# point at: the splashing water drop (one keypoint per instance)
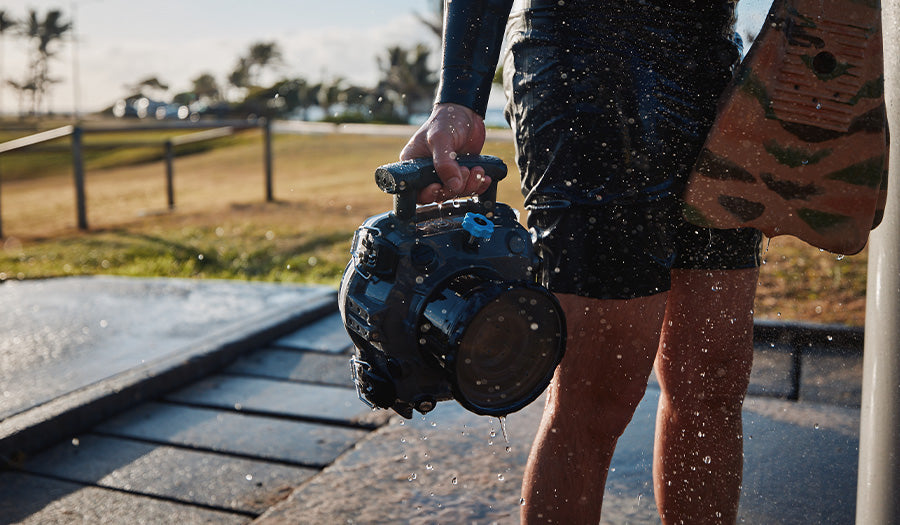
(502, 420)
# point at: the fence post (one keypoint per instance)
(267, 161)
(170, 173)
(1, 212)
(78, 172)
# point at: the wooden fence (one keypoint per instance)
(210, 130)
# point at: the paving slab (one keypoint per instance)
(339, 405)
(452, 466)
(189, 476)
(286, 441)
(326, 335)
(292, 365)
(33, 500)
(449, 466)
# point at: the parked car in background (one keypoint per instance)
(143, 107)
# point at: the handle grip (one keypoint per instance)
(406, 178)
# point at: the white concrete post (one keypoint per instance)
(878, 492)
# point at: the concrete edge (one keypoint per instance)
(76, 412)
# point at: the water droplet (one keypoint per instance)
(707, 460)
(816, 426)
(502, 420)
(429, 466)
(412, 477)
(75, 442)
(453, 481)
(534, 327)
(249, 477)
(500, 477)
(521, 501)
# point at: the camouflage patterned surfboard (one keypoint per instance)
(799, 146)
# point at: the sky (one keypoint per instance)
(121, 42)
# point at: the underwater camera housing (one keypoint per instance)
(441, 301)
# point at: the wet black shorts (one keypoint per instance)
(611, 103)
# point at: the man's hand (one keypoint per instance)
(451, 130)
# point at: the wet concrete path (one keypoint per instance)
(271, 431)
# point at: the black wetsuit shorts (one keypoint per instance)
(610, 103)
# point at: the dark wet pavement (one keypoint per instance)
(272, 431)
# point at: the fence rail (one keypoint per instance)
(210, 130)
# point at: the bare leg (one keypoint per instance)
(602, 378)
(704, 362)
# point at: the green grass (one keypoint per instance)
(254, 253)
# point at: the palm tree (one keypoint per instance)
(150, 87)
(6, 23)
(263, 55)
(407, 78)
(43, 34)
(240, 76)
(434, 21)
(206, 88)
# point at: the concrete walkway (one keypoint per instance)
(251, 417)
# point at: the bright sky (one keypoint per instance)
(121, 42)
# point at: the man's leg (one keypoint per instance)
(703, 366)
(603, 375)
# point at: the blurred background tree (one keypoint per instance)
(43, 33)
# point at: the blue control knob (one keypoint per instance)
(478, 226)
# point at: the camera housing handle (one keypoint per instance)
(406, 178)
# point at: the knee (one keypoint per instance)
(603, 408)
(718, 395)
(705, 383)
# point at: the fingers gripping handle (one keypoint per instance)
(406, 178)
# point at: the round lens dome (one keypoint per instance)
(508, 352)
(499, 342)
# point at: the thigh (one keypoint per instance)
(610, 350)
(707, 339)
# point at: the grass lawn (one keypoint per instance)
(222, 228)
